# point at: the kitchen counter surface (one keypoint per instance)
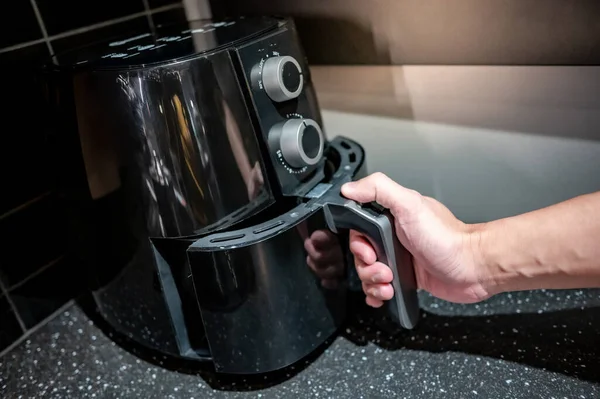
(543, 344)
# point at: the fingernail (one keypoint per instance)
(348, 186)
(373, 292)
(377, 278)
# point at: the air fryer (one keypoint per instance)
(196, 168)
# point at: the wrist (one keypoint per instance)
(489, 275)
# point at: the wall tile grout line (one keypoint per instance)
(149, 16)
(112, 22)
(99, 25)
(13, 289)
(3, 290)
(168, 7)
(40, 21)
(39, 325)
(24, 205)
(22, 45)
(13, 307)
(36, 273)
(92, 27)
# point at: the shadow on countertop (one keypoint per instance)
(563, 341)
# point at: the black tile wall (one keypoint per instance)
(37, 272)
(36, 298)
(169, 17)
(18, 23)
(10, 330)
(71, 42)
(25, 56)
(158, 3)
(86, 12)
(36, 237)
(23, 157)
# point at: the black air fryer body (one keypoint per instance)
(198, 174)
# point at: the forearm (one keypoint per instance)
(557, 247)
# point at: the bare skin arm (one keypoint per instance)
(554, 247)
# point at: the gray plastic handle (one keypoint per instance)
(379, 228)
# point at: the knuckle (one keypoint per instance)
(379, 175)
(365, 287)
(379, 179)
(361, 273)
(416, 200)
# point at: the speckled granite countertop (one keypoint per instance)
(522, 345)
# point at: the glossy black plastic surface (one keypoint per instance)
(292, 181)
(179, 140)
(258, 264)
(263, 306)
(165, 151)
(168, 44)
(165, 155)
(271, 293)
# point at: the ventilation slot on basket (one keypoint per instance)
(268, 227)
(345, 145)
(352, 157)
(227, 238)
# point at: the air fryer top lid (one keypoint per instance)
(167, 44)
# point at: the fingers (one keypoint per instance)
(323, 255)
(375, 303)
(377, 273)
(383, 190)
(380, 292)
(361, 248)
(376, 279)
(375, 276)
(326, 271)
(330, 284)
(369, 270)
(323, 239)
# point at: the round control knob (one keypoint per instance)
(282, 78)
(301, 142)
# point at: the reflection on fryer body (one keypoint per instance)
(325, 257)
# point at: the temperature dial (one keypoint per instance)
(282, 78)
(300, 141)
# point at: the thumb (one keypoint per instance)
(379, 188)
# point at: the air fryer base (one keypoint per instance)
(178, 332)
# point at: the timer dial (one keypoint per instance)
(300, 141)
(282, 78)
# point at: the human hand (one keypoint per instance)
(325, 257)
(444, 250)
